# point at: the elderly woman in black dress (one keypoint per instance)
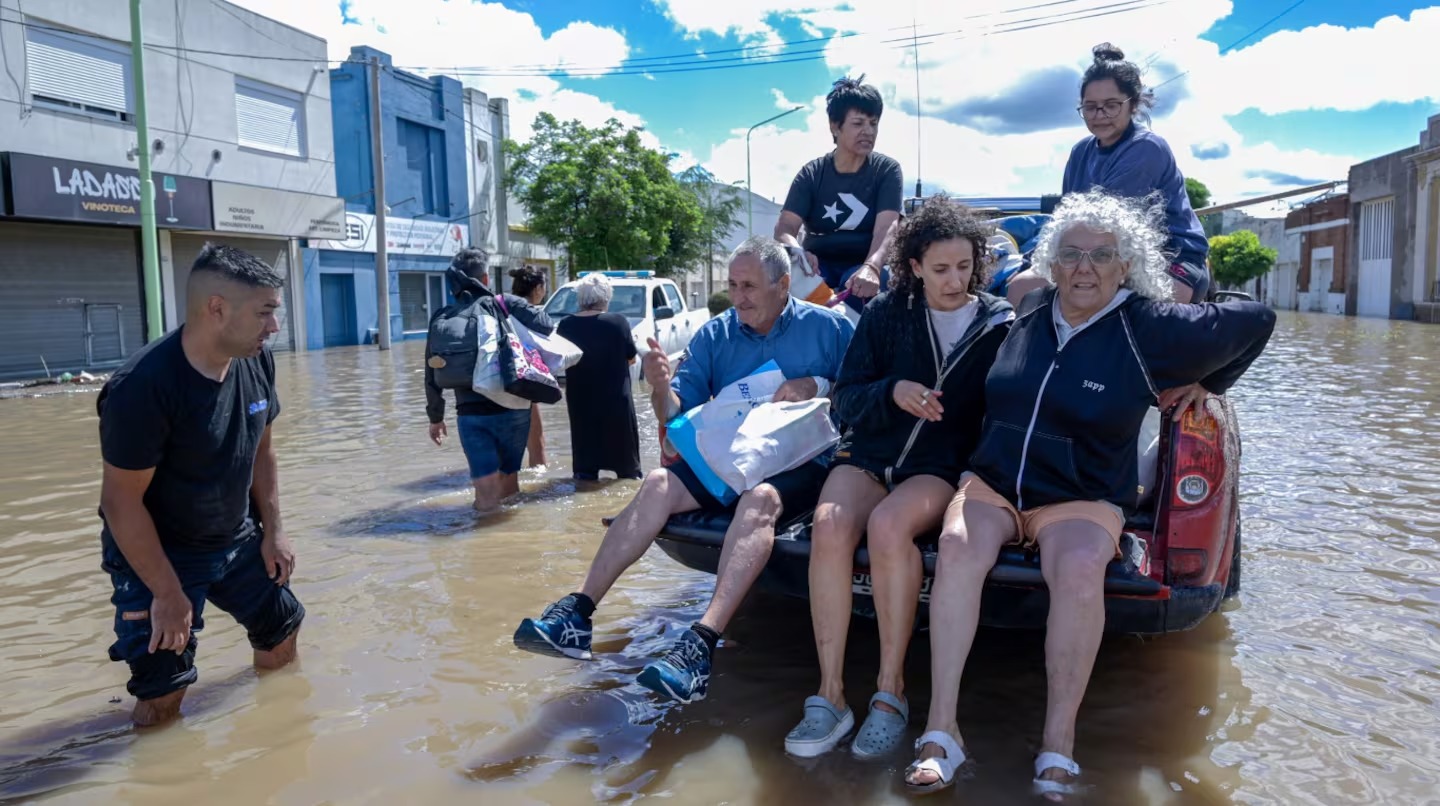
(603, 431)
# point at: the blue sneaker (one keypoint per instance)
(560, 632)
(683, 674)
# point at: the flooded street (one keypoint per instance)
(1319, 686)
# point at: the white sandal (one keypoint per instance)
(1055, 761)
(943, 766)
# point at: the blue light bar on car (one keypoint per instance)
(641, 274)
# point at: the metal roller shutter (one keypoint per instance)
(277, 253)
(60, 283)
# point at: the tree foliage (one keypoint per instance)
(1198, 193)
(718, 303)
(600, 193)
(1238, 258)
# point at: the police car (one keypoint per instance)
(652, 305)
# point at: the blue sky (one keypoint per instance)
(1327, 84)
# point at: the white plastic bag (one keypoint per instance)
(489, 380)
(776, 437)
(703, 435)
(559, 352)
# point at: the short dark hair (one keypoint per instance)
(847, 94)
(473, 261)
(1110, 63)
(525, 279)
(236, 265)
(941, 218)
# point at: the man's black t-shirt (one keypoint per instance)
(840, 209)
(200, 436)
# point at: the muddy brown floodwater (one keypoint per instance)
(1319, 686)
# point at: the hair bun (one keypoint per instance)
(1106, 52)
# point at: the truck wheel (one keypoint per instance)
(1232, 585)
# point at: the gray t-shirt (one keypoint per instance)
(840, 209)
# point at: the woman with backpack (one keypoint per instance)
(492, 436)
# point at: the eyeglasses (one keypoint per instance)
(1070, 257)
(1109, 109)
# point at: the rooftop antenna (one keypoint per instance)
(915, 41)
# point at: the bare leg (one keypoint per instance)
(283, 654)
(509, 485)
(747, 548)
(896, 573)
(661, 495)
(969, 545)
(151, 713)
(488, 492)
(1022, 284)
(1073, 556)
(847, 500)
(535, 447)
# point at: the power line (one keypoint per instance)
(894, 43)
(694, 55)
(1257, 29)
(169, 49)
(899, 43)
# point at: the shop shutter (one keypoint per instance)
(77, 70)
(58, 281)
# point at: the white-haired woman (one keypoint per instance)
(603, 432)
(1056, 464)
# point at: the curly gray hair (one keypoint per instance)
(1139, 229)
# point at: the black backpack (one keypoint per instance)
(454, 346)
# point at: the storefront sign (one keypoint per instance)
(46, 187)
(403, 236)
(261, 211)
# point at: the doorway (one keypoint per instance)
(337, 305)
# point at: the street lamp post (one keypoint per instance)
(749, 186)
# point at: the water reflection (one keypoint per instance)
(1320, 685)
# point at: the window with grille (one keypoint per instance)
(1377, 229)
(269, 118)
(77, 73)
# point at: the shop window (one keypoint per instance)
(422, 295)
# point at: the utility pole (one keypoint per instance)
(149, 248)
(377, 163)
(749, 186)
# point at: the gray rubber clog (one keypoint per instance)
(822, 728)
(883, 730)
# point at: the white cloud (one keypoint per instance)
(433, 36)
(974, 57)
(744, 18)
(781, 102)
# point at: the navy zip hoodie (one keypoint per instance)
(894, 342)
(1062, 423)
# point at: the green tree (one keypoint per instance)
(1198, 193)
(599, 192)
(719, 214)
(1238, 258)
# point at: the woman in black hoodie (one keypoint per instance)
(911, 391)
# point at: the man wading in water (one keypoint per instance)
(189, 466)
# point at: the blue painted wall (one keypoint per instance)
(423, 129)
